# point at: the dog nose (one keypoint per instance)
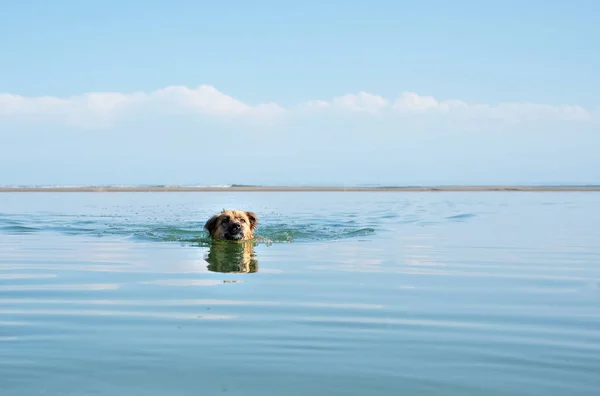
(236, 226)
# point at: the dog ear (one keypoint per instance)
(253, 220)
(211, 224)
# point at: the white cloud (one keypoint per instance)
(362, 101)
(97, 107)
(101, 107)
(208, 100)
(409, 102)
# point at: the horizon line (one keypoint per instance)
(296, 188)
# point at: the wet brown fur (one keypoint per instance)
(218, 224)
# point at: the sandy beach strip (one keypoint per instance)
(302, 189)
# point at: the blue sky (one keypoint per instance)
(344, 92)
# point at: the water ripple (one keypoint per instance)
(185, 231)
(446, 294)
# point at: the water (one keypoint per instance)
(343, 294)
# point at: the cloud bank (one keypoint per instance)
(102, 107)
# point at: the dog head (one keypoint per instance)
(233, 225)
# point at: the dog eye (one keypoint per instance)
(242, 220)
(225, 219)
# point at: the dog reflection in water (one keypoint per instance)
(232, 257)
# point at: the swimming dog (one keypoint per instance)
(232, 225)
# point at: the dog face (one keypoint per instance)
(232, 225)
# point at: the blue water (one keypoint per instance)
(349, 294)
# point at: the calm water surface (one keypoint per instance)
(345, 294)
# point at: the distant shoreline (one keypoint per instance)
(302, 189)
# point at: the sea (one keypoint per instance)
(341, 293)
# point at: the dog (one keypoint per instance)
(232, 225)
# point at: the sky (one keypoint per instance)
(310, 93)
